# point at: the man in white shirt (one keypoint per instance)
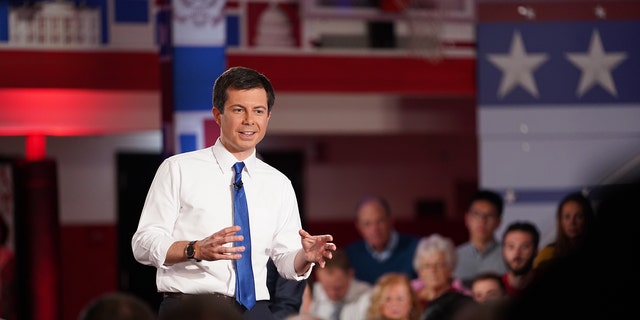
(337, 294)
(186, 229)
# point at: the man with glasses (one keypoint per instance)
(482, 252)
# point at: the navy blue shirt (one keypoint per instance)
(369, 269)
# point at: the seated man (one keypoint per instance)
(381, 249)
(488, 287)
(482, 252)
(199, 306)
(337, 294)
(117, 305)
(519, 248)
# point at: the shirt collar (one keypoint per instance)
(226, 160)
(388, 250)
(487, 248)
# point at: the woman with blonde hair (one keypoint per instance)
(393, 299)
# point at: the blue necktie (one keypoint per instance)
(245, 286)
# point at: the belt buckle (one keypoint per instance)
(176, 295)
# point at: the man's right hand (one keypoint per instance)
(216, 246)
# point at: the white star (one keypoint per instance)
(510, 196)
(517, 67)
(596, 66)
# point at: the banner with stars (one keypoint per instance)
(549, 63)
(558, 102)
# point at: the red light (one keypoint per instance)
(36, 147)
(75, 112)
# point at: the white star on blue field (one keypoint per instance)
(558, 63)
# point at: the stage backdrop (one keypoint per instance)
(559, 104)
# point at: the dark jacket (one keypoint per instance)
(446, 306)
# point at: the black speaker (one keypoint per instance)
(135, 174)
(37, 239)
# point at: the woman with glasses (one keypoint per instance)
(434, 261)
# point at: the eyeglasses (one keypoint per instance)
(434, 266)
(479, 216)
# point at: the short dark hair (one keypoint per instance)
(524, 226)
(240, 78)
(202, 306)
(117, 306)
(490, 275)
(490, 196)
(339, 260)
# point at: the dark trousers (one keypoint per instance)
(260, 311)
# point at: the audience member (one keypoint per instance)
(435, 261)
(337, 293)
(482, 252)
(519, 248)
(596, 279)
(418, 284)
(204, 306)
(381, 249)
(488, 287)
(285, 295)
(117, 306)
(393, 299)
(574, 219)
(307, 298)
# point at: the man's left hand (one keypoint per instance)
(317, 248)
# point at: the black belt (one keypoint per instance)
(223, 297)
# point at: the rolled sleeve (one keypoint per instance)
(151, 250)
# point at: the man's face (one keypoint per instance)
(374, 225)
(244, 121)
(335, 282)
(482, 220)
(519, 251)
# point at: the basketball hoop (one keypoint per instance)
(424, 23)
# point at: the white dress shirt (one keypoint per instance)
(354, 305)
(191, 198)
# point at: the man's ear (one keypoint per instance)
(466, 218)
(216, 115)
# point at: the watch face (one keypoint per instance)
(190, 251)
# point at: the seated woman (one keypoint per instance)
(574, 220)
(393, 299)
(435, 261)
